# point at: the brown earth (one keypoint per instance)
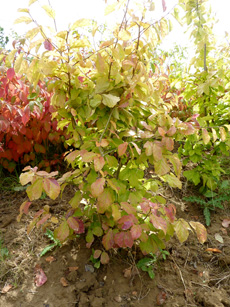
(190, 276)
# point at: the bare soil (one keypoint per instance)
(190, 276)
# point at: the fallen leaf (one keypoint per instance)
(226, 223)
(6, 288)
(64, 282)
(214, 250)
(118, 299)
(50, 259)
(40, 276)
(219, 238)
(73, 268)
(161, 298)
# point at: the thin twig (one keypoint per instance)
(181, 276)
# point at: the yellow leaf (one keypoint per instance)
(214, 134)
(110, 8)
(49, 11)
(222, 134)
(32, 33)
(81, 23)
(23, 10)
(18, 63)
(54, 220)
(124, 35)
(205, 136)
(25, 19)
(32, 1)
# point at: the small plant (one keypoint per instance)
(48, 248)
(147, 264)
(211, 200)
(4, 252)
(99, 257)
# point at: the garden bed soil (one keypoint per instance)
(190, 276)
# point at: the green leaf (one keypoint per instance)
(75, 201)
(62, 232)
(110, 100)
(172, 180)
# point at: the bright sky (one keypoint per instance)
(70, 10)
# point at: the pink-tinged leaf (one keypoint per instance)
(158, 222)
(157, 152)
(122, 149)
(200, 230)
(104, 258)
(4, 125)
(136, 231)
(87, 156)
(226, 223)
(24, 208)
(146, 126)
(73, 223)
(48, 45)
(137, 148)
(26, 115)
(51, 187)
(127, 221)
(97, 254)
(145, 206)
(161, 167)
(105, 200)
(34, 191)
(169, 143)
(181, 228)
(99, 162)
(164, 5)
(205, 135)
(81, 226)
(148, 148)
(108, 240)
(97, 187)
(40, 276)
(10, 74)
(161, 131)
(128, 208)
(103, 143)
(170, 212)
(124, 239)
(171, 131)
(43, 219)
(62, 232)
(71, 157)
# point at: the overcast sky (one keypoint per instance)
(70, 10)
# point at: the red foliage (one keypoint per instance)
(27, 130)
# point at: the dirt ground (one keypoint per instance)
(190, 276)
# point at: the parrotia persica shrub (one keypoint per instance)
(28, 134)
(110, 101)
